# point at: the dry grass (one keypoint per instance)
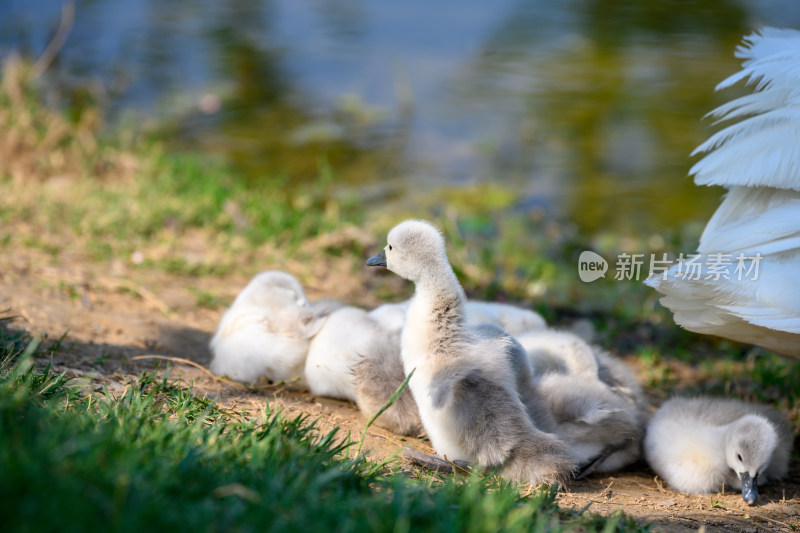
(41, 144)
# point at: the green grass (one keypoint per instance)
(159, 458)
(179, 195)
(70, 187)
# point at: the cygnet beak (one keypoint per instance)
(378, 260)
(749, 488)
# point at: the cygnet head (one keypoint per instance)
(413, 247)
(273, 289)
(749, 445)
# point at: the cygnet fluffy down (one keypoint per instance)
(698, 444)
(266, 331)
(463, 382)
(595, 401)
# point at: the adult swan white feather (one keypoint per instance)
(745, 282)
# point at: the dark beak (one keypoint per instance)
(378, 260)
(749, 488)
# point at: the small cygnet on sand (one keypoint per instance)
(267, 329)
(353, 357)
(698, 444)
(463, 382)
(341, 342)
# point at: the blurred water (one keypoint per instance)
(587, 108)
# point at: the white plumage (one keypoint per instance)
(267, 330)
(348, 335)
(761, 150)
(697, 445)
(380, 372)
(514, 320)
(747, 284)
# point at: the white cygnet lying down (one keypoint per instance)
(597, 406)
(267, 330)
(698, 444)
(347, 334)
(463, 382)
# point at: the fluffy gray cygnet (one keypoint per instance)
(595, 401)
(463, 382)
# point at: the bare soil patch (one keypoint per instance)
(114, 312)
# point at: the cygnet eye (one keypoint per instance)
(739, 456)
(390, 247)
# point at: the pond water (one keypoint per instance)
(585, 108)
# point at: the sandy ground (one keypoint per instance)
(114, 312)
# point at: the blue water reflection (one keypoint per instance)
(587, 107)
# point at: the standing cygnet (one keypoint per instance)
(376, 378)
(266, 331)
(599, 409)
(463, 382)
(698, 444)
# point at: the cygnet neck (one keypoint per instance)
(439, 277)
(441, 280)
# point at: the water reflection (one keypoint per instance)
(266, 123)
(588, 108)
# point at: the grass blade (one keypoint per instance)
(393, 398)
